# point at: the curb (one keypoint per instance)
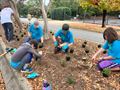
(13, 80)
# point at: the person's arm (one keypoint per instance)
(54, 38)
(35, 53)
(97, 53)
(107, 58)
(42, 40)
(29, 34)
(105, 47)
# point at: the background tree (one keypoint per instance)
(12, 4)
(40, 5)
(103, 5)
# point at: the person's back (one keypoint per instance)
(6, 21)
(24, 54)
(21, 52)
(36, 33)
(6, 14)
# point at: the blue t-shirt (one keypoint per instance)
(113, 50)
(36, 33)
(65, 38)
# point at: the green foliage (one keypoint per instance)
(35, 11)
(71, 4)
(30, 7)
(61, 13)
(22, 9)
(106, 72)
(109, 5)
(70, 80)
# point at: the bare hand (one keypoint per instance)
(40, 52)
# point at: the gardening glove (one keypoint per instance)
(55, 43)
(14, 50)
(32, 75)
(65, 47)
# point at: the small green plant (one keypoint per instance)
(83, 45)
(106, 72)
(63, 63)
(71, 50)
(70, 80)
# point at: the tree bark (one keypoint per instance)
(16, 16)
(44, 14)
(104, 18)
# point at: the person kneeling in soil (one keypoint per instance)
(112, 45)
(63, 39)
(23, 56)
(35, 32)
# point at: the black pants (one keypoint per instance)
(8, 28)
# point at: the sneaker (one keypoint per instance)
(27, 70)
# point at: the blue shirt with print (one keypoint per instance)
(113, 50)
(36, 33)
(65, 38)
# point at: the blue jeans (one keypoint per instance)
(25, 60)
(8, 28)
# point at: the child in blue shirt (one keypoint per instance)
(63, 39)
(35, 32)
(112, 45)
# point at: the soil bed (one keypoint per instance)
(77, 74)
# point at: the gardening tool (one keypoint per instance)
(32, 75)
(7, 51)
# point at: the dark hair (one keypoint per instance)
(34, 43)
(65, 27)
(111, 35)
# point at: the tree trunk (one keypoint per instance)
(16, 16)
(44, 14)
(104, 18)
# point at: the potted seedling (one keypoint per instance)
(71, 50)
(85, 42)
(99, 46)
(83, 45)
(51, 32)
(16, 36)
(18, 39)
(104, 52)
(68, 58)
(86, 51)
(40, 45)
(106, 72)
(86, 54)
(22, 35)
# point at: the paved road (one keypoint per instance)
(82, 34)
